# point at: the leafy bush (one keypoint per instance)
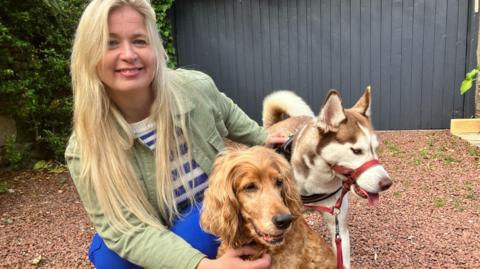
(13, 156)
(35, 42)
(35, 46)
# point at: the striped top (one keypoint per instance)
(197, 179)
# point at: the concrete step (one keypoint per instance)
(467, 129)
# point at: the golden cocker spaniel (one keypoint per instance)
(252, 200)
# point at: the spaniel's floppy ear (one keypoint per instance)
(290, 194)
(220, 213)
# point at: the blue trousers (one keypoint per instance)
(187, 227)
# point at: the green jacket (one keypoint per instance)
(212, 117)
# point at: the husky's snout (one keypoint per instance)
(374, 180)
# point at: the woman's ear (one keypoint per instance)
(220, 213)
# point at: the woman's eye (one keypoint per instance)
(140, 42)
(356, 151)
(112, 43)
(251, 187)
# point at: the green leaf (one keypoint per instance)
(471, 75)
(466, 85)
(40, 165)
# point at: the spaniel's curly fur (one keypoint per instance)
(252, 200)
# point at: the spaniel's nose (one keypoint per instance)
(282, 221)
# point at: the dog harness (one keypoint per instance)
(351, 176)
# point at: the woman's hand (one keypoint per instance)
(232, 259)
(275, 138)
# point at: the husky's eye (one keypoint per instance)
(250, 187)
(356, 151)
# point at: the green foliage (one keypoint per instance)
(3, 187)
(35, 42)
(439, 202)
(393, 149)
(35, 89)
(12, 153)
(162, 8)
(467, 83)
(51, 167)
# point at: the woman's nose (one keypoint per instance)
(128, 52)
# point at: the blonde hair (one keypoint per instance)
(105, 139)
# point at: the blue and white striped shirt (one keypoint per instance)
(197, 179)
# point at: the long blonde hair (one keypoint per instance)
(105, 139)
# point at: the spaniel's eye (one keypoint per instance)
(279, 182)
(356, 151)
(251, 187)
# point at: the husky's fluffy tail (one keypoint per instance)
(283, 103)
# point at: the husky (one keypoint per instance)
(331, 154)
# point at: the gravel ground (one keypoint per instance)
(429, 218)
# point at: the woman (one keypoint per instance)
(144, 141)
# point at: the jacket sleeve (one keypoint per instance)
(241, 128)
(146, 246)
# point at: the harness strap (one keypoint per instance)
(318, 197)
(286, 148)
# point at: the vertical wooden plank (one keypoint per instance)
(283, 42)
(231, 37)
(335, 44)
(386, 42)
(471, 54)
(406, 67)
(201, 36)
(292, 44)
(317, 55)
(275, 43)
(189, 55)
(376, 61)
(221, 46)
(240, 54)
(450, 89)
(460, 61)
(226, 48)
(257, 68)
(326, 45)
(438, 62)
(302, 50)
(417, 63)
(181, 36)
(395, 105)
(345, 41)
(365, 40)
(308, 68)
(248, 55)
(266, 48)
(356, 52)
(213, 65)
(428, 57)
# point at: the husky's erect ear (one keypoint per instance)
(332, 113)
(363, 104)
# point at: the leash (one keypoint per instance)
(351, 177)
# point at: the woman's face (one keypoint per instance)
(128, 65)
